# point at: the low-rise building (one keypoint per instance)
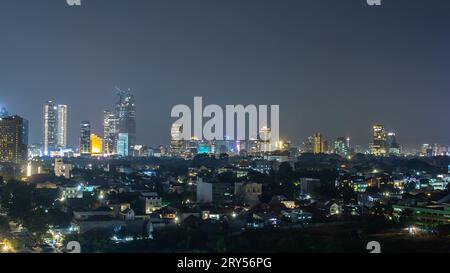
(248, 193)
(425, 214)
(309, 185)
(297, 216)
(214, 192)
(62, 169)
(151, 202)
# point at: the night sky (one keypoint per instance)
(333, 66)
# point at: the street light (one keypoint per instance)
(6, 247)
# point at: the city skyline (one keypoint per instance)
(324, 70)
(119, 134)
(110, 128)
(241, 128)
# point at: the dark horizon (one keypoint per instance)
(333, 67)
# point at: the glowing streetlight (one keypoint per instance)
(6, 247)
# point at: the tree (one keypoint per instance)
(36, 222)
(381, 209)
(285, 171)
(348, 193)
(59, 218)
(92, 241)
(227, 177)
(326, 191)
(4, 225)
(224, 157)
(16, 199)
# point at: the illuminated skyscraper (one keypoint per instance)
(126, 113)
(378, 146)
(426, 150)
(307, 145)
(85, 138)
(50, 127)
(393, 148)
(110, 132)
(96, 148)
(13, 139)
(123, 145)
(318, 143)
(62, 126)
(265, 141)
(340, 147)
(177, 144)
(325, 147)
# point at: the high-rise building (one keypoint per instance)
(318, 143)
(435, 149)
(307, 145)
(340, 147)
(123, 145)
(13, 139)
(247, 147)
(85, 138)
(126, 113)
(50, 127)
(378, 146)
(62, 126)
(110, 132)
(325, 147)
(393, 148)
(96, 148)
(426, 150)
(265, 141)
(177, 144)
(3, 112)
